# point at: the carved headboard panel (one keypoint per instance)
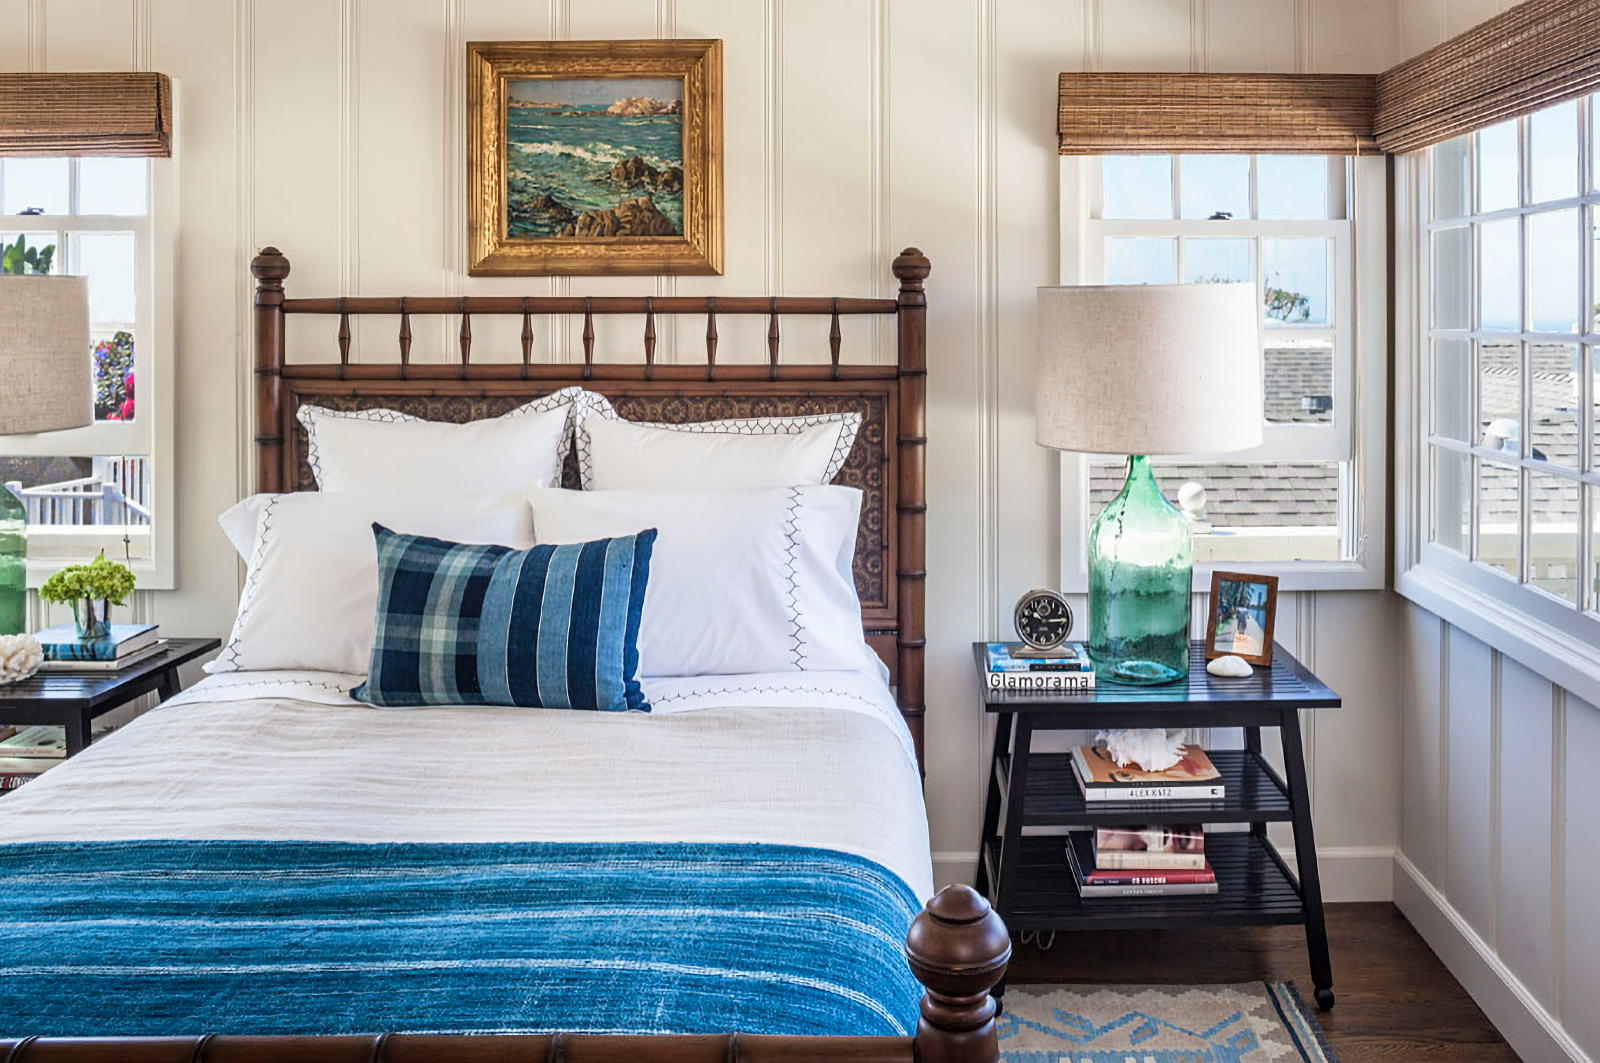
(886, 462)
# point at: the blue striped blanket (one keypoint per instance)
(270, 937)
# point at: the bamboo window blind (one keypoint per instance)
(1535, 54)
(86, 114)
(1324, 114)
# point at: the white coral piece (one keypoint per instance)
(20, 657)
(1152, 748)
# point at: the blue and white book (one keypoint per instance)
(61, 643)
(1008, 657)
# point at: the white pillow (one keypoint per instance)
(740, 581)
(386, 450)
(311, 595)
(239, 523)
(747, 452)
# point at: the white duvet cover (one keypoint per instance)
(819, 759)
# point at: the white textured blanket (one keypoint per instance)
(812, 759)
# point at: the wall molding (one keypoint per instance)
(350, 157)
(878, 168)
(38, 59)
(142, 46)
(772, 146)
(244, 150)
(1558, 849)
(1513, 1009)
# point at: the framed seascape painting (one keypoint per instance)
(594, 157)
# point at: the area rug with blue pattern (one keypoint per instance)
(1254, 1022)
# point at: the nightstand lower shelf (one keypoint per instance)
(1253, 887)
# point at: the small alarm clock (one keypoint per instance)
(1043, 619)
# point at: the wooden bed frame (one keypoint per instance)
(957, 946)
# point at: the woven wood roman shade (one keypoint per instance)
(1535, 54)
(85, 114)
(1321, 114)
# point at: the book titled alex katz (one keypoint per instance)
(1193, 778)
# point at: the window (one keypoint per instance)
(1509, 462)
(98, 487)
(1299, 503)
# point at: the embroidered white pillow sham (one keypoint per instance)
(311, 593)
(740, 581)
(744, 453)
(386, 450)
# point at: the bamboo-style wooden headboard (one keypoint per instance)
(888, 462)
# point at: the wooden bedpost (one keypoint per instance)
(958, 949)
(911, 266)
(270, 267)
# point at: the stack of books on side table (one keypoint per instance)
(1139, 861)
(127, 644)
(28, 752)
(1064, 670)
(1157, 861)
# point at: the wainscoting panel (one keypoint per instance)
(1524, 931)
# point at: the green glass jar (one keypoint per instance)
(13, 563)
(1141, 565)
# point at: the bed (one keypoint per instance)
(265, 868)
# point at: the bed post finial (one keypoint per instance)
(911, 266)
(269, 268)
(958, 949)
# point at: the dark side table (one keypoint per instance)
(74, 699)
(1026, 876)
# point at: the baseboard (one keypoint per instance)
(1522, 1020)
(1353, 872)
(1349, 873)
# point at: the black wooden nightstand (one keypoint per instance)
(1027, 877)
(73, 699)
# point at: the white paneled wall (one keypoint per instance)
(334, 129)
(1500, 803)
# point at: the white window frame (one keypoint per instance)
(1548, 634)
(1357, 438)
(151, 431)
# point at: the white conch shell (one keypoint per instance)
(1152, 748)
(1231, 667)
(20, 657)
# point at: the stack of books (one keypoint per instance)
(1193, 778)
(1065, 670)
(127, 644)
(1157, 861)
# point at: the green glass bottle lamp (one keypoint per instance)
(1138, 370)
(44, 387)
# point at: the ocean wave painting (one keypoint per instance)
(587, 157)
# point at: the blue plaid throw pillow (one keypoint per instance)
(554, 627)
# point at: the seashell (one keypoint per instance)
(20, 657)
(1229, 667)
(1151, 748)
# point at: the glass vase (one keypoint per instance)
(1141, 565)
(92, 616)
(13, 563)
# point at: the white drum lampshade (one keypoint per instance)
(1140, 370)
(1149, 368)
(44, 354)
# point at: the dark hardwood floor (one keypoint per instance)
(1396, 1001)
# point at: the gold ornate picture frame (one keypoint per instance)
(594, 157)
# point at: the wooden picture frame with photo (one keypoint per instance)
(1260, 639)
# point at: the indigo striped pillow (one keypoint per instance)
(554, 627)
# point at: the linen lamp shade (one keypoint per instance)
(44, 354)
(1149, 368)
